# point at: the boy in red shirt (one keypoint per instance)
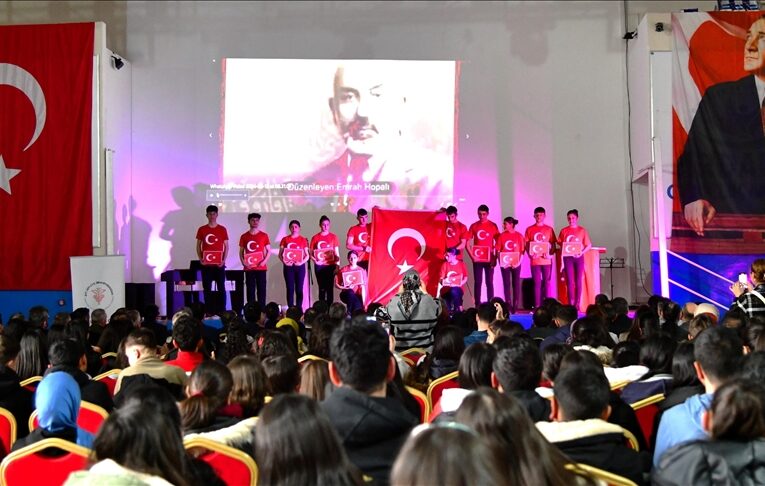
(540, 246)
(456, 232)
(212, 249)
(325, 253)
(358, 238)
(480, 247)
(254, 251)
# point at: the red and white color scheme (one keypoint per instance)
(254, 249)
(509, 247)
(361, 237)
(483, 235)
(352, 278)
(294, 248)
(453, 274)
(323, 248)
(509, 259)
(404, 240)
(573, 240)
(539, 240)
(46, 89)
(213, 243)
(455, 233)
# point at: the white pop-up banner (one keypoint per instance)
(98, 282)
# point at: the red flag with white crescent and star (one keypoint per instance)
(46, 79)
(402, 240)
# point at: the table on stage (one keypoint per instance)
(591, 280)
(184, 287)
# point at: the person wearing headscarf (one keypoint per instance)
(58, 404)
(414, 314)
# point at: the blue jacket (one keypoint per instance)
(680, 424)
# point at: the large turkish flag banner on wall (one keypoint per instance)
(402, 240)
(46, 74)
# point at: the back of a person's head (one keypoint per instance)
(321, 332)
(295, 313)
(282, 374)
(144, 435)
(9, 349)
(80, 313)
(337, 312)
(486, 312)
(57, 401)
(295, 443)
(320, 306)
(187, 333)
(581, 392)
(272, 311)
(249, 385)
(314, 377)
(360, 355)
(541, 317)
(448, 456)
(252, 311)
(32, 359)
(66, 352)
(670, 311)
(755, 336)
(518, 365)
(698, 324)
(552, 356)
(683, 372)
(143, 338)
(150, 313)
(601, 299)
(309, 317)
(738, 411)
(208, 389)
(524, 453)
(625, 353)
(503, 327)
(590, 331)
(273, 343)
(579, 358)
(719, 351)
(621, 306)
(448, 343)
(476, 365)
(656, 353)
(566, 314)
(38, 316)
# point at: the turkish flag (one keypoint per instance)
(402, 240)
(46, 76)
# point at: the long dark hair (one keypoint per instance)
(738, 411)
(295, 443)
(525, 454)
(144, 435)
(32, 359)
(249, 384)
(208, 389)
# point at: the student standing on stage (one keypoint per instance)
(254, 251)
(353, 295)
(212, 249)
(456, 232)
(481, 250)
(540, 246)
(510, 246)
(293, 252)
(573, 265)
(453, 277)
(325, 253)
(358, 238)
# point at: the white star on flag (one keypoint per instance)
(404, 267)
(6, 175)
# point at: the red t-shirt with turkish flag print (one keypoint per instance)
(213, 239)
(507, 241)
(483, 234)
(457, 268)
(578, 235)
(361, 237)
(255, 243)
(540, 234)
(295, 243)
(325, 242)
(455, 233)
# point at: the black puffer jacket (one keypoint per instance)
(703, 463)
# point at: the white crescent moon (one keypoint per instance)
(248, 246)
(21, 79)
(571, 238)
(539, 237)
(403, 233)
(450, 232)
(363, 237)
(207, 239)
(292, 246)
(209, 257)
(450, 273)
(478, 234)
(507, 245)
(322, 244)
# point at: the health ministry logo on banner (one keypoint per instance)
(46, 79)
(404, 240)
